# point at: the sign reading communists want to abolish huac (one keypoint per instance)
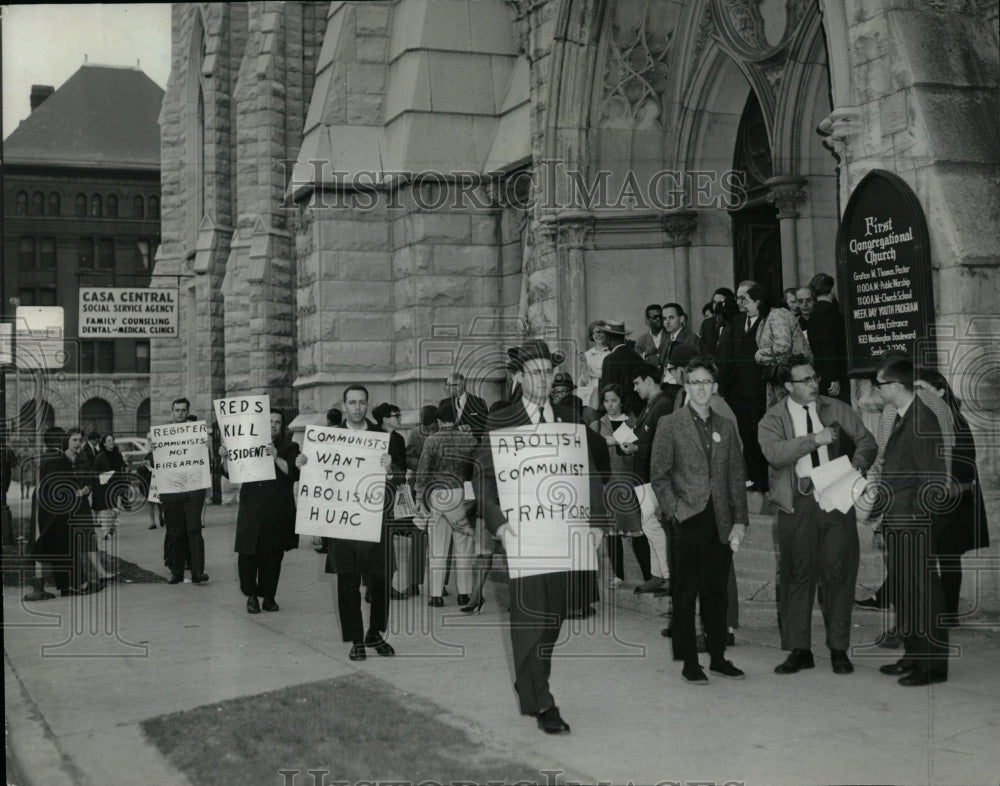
(884, 272)
(245, 423)
(342, 485)
(543, 485)
(180, 455)
(120, 312)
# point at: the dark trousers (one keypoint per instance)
(915, 590)
(259, 573)
(700, 569)
(816, 546)
(616, 555)
(349, 604)
(640, 547)
(183, 536)
(747, 418)
(537, 610)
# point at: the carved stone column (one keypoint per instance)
(787, 193)
(679, 226)
(840, 128)
(575, 232)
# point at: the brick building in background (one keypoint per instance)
(82, 208)
(311, 150)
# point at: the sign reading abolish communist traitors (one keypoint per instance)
(245, 422)
(342, 485)
(543, 484)
(120, 312)
(180, 455)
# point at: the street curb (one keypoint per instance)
(33, 755)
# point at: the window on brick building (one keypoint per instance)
(154, 209)
(80, 205)
(142, 419)
(106, 253)
(47, 254)
(142, 357)
(138, 206)
(38, 204)
(95, 206)
(97, 415)
(112, 206)
(26, 253)
(97, 357)
(54, 204)
(22, 203)
(36, 296)
(85, 253)
(142, 249)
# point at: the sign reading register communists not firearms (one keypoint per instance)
(342, 485)
(542, 475)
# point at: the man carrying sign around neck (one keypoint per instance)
(539, 593)
(349, 559)
(182, 516)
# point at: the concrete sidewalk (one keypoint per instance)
(81, 674)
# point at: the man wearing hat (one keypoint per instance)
(620, 365)
(562, 393)
(538, 603)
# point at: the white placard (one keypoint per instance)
(342, 485)
(624, 434)
(128, 312)
(154, 489)
(245, 423)
(39, 339)
(542, 476)
(180, 455)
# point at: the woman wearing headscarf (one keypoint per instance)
(265, 524)
(110, 473)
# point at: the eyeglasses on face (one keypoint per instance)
(742, 299)
(803, 300)
(806, 380)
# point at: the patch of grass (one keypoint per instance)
(355, 727)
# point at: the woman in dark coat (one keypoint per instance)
(964, 527)
(107, 496)
(265, 524)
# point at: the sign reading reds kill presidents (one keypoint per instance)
(884, 271)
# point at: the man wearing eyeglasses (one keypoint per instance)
(470, 410)
(654, 344)
(800, 432)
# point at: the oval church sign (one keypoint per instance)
(884, 272)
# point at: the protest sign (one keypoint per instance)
(342, 485)
(180, 455)
(542, 476)
(245, 423)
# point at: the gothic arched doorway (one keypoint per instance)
(756, 234)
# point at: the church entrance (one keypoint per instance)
(756, 235)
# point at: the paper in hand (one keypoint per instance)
(834, 483)
(624, 435)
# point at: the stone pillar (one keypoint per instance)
(840, 128)
(574, 233)
(787, 193)
(679, 226)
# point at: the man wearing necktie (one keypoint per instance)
(800, 432)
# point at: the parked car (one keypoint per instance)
(134, 450)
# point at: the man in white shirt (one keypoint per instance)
(800, 432)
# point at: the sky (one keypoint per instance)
(46, 44)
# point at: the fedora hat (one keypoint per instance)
(614, 326)
(535, 349)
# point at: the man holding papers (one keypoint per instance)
(536, 477)
(803, 432)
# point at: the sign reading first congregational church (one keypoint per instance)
(884, 272)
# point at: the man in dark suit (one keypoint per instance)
(828, 339)
(470, 410)
(678, 334)
(745, 388)
(914, 462)
(646, 384)
(700, 481)
(538, 603)
(620, 365)
(652, 345)
(800, 432)
(349, 559)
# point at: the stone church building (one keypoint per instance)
(384, 192)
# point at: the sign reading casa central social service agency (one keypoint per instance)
(121, 312)
(884, 272)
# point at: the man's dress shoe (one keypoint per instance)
(840, 663)
(269, 604)
(551, 722)
(922, 677)
(357, 651)
(253, 605)
(899, 667)
(798, 660)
